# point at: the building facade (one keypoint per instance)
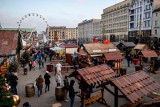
(115, 21)
(54, 31)
(156, 23)
(88, 29)
(61, 33)
(71, 33)
(140, 20)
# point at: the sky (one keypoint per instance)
(56, 12)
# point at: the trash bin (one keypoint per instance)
(30, 90)
(49, 67)
(59, 93)
(137, 68)
(123, 71)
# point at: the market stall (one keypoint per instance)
(116, 59)
(137, 49)
(151, 55)
(135, 88)
(90, 81)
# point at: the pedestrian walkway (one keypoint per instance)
(48, 98)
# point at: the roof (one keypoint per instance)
(99, 48)
(136, 85)
(23, 29)
(69, 45)
(8, 42)
(96, 73)
(149, 53)
(141, 46)
(113, 56)
(156, 10)
(115, 43)
(128, 44)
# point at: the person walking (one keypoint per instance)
(71, 93)
(58, 67)
(30, 64)
(128, 59)
(13, 82)
(39, 84)
(66, 86)
(47, 80)
(58, 78)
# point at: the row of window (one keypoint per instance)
(120, 18)
(114, 14)
(116, 30)
(116, 25)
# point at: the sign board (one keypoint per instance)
(112, 50)
(97, 51)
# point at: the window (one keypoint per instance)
(156, 22)
(155, 32)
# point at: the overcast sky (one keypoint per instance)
(56, 12)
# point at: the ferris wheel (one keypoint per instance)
(32, 24)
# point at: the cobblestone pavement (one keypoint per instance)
(48, 98)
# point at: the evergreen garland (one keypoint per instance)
(5, 94)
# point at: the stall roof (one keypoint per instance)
(69, 45)
(136, 85)
(8, 42)
(99, 48)
(113, 56)
(115, 43)
(149, 53)
(128, 44)
(96, 73)
(141, 46)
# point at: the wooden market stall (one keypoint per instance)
(135, 87)
(95, 51)
(148, 54)
(137, 49)
(90, 80)
(126, 46)
(116, 58)
(8, 47)
(70, 50)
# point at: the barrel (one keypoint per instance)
(57, 105)
(123, 71)
(59, 93)
(49, 67)
(30, 90)
(137, 68)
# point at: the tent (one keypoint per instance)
(57, 48)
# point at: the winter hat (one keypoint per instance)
(47, 71)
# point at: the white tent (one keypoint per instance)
(44, 39)
(24, 43)
(57, 48)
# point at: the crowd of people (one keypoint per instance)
(36, 60)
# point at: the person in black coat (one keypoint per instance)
(13, 82)
(71, 93)
(47, 80)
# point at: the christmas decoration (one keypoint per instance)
(16, 100)
(5, 94)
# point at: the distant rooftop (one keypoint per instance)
(23, 29)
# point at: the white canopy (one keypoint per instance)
(57, 48)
